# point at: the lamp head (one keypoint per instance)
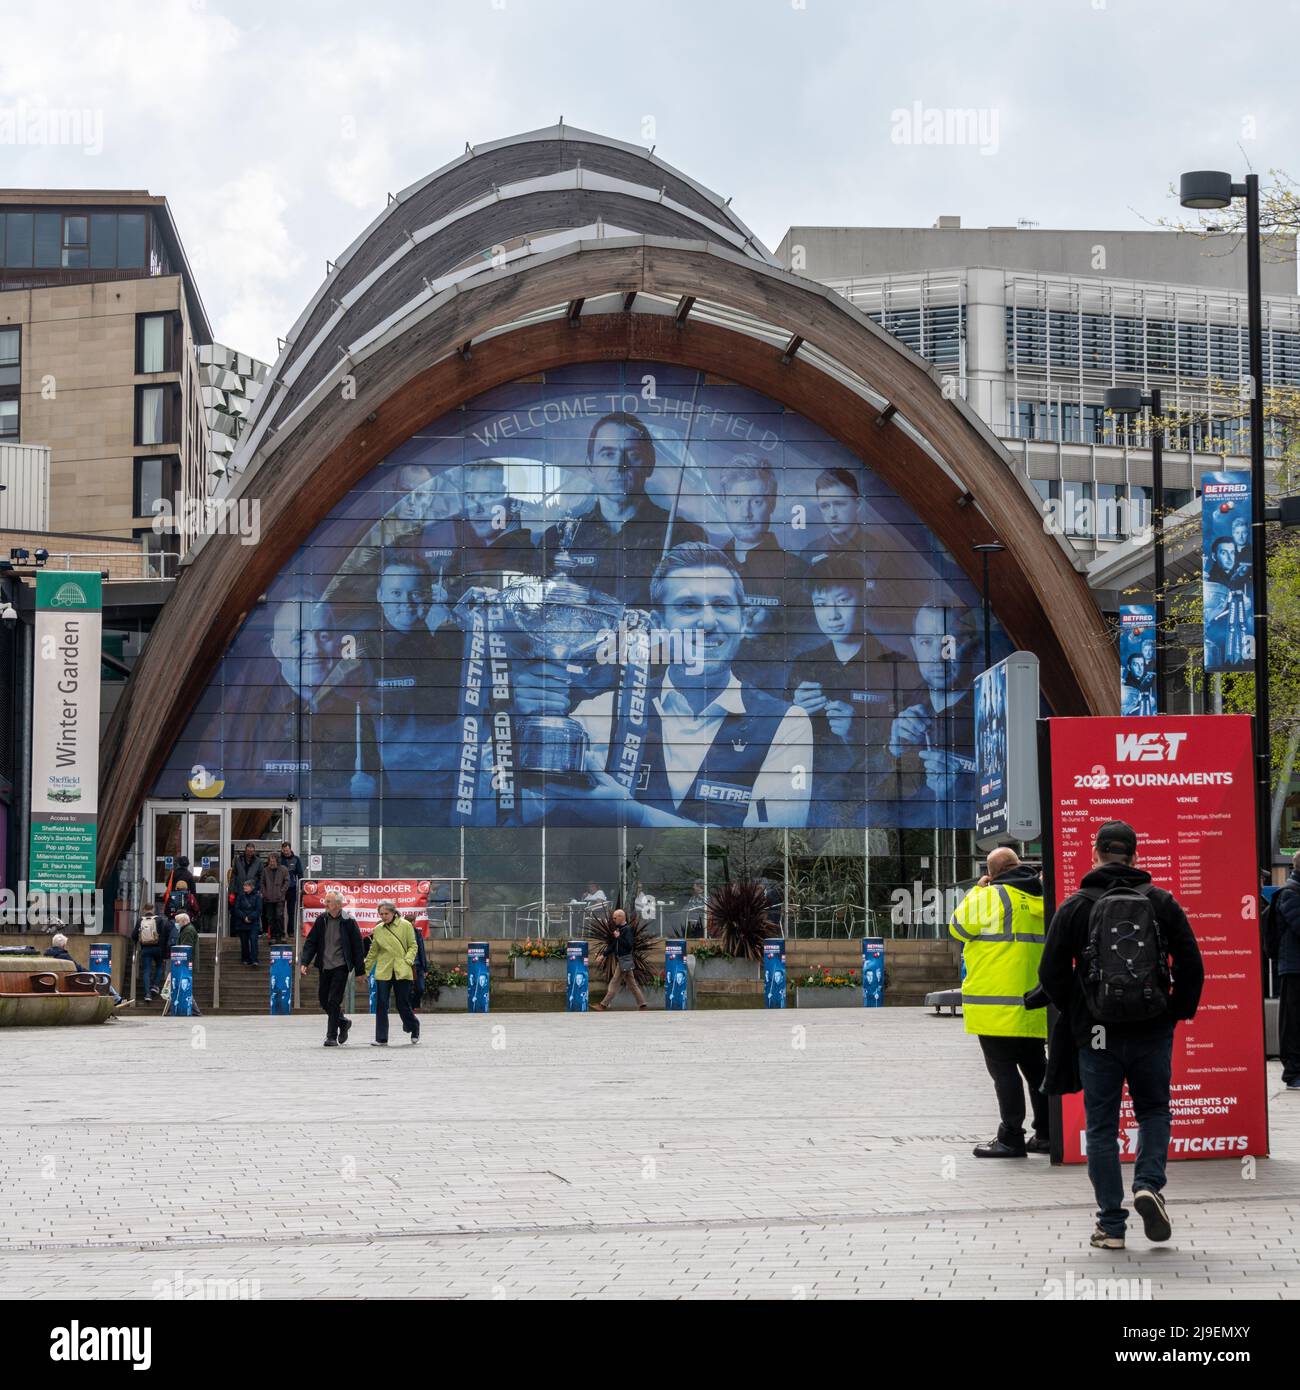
(1206, 189)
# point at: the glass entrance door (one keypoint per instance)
(189, 843)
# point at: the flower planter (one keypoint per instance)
(819, 997)
(727, 968)
(449, 1000)
(523, 968)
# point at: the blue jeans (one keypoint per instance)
(151, 968)
(1145, 1064)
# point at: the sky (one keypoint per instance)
(277, 129)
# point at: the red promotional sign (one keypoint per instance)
(362, 896)
(1184, 782)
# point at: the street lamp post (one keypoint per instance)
(1208, 189)
(984, 550)
(1126, 400)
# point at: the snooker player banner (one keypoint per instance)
(1227, 572)
(620, 594)
(361, 899)
(1137, 659)
(1184, 783)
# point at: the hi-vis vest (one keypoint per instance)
(1001, 931)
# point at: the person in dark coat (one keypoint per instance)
(246, 915)
(1286, 903)
(1112, 1053)
(335, 946)
(421, 970)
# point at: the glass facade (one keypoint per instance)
(620, 621)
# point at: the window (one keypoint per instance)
(103, 240)
(76, 243)
(1112, 511)
(1076, 506)
(49, 240)
(151, 415)
(153, 341)
(154, 480)
(130, 240)
(18, 239)
(10, 380)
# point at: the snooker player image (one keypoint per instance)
(716, 750)
(616, 543)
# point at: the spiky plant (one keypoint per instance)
(603, 935)
(738, 913)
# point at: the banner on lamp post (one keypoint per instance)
(1137, 659)
(1227, 572)
(64, 802)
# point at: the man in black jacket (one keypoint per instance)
(1111, 1053)
(1286, 904)
(336, 947)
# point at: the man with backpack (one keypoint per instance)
(1122, 964)
(1282, 942)
(152, 934)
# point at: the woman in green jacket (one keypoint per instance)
(391, 959)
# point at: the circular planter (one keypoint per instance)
(818, 997)
(522, 968)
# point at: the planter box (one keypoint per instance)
(523, 969)
(726, 968)
(448, 1001)
(820, 998)
(654, 998)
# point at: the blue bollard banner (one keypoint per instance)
(281, 979)
(480, 986)
(676, 979)
(579, 977)
(774, 972)
(101, 960)
(181, 1003)
(873, 972)
(370, 997)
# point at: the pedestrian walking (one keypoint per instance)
(624, 962)
(152, 934)
(392, 956)
(1121, 961)
(247, 918)
(1000, 925)
(275, 890)
(335, 947)
(1283, 921)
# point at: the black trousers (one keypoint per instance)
(1008, 1059)
(333, 984)
(1288, 1025)
(402, 990)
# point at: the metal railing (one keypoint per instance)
(121, 565)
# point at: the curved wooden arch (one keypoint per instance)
(1041, 599)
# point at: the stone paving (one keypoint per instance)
(706, 1155)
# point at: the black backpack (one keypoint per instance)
(1126, 961)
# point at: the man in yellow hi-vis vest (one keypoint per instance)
(1000, 925)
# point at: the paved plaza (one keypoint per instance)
(705, 1155)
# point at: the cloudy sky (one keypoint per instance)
(276, 128)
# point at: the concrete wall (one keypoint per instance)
(1180, 258)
